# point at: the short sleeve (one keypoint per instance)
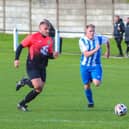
(83, 45)
(104, 39)
(27, 41)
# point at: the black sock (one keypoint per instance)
(28, 82)
(127, 49)
(29, 97)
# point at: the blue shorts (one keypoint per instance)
(90, 72)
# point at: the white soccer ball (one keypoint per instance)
(120, 109)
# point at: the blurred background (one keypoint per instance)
(68, 16)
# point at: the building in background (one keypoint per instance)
(66, 15)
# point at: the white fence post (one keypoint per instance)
(15, 39)
(57, 41)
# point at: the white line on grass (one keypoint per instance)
(64, 121)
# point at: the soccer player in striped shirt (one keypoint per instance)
(90, 64)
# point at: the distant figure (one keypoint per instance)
(90, 64)
(119, 29)
(127, 36)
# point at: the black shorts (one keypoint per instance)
(35, 71)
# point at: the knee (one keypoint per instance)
(38, 85)
(38, 89)
(96, 83)
(87, 86)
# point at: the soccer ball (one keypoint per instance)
(120, 109)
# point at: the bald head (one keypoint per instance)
(44, 28)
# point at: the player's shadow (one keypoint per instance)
(79, 109)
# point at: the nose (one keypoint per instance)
(47, 30)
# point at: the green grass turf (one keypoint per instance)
(71, 46)
(62, 105)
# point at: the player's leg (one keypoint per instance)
(96, 82)
(86, 78)
(88, 94)
(118, 42)
(30, 68)
(127, 49)
(97, 75)
(38, 85)
(23, 82)
(37, 82)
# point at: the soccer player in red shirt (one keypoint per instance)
(40, 49)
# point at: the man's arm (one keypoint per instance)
(107, 53)
(90, 53)
(17, 55)
(105, 41)
(122, 27)
(84, 48)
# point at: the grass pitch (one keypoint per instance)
(62, 104)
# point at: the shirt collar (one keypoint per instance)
(90, 39)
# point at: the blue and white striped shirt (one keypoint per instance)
(87, 45)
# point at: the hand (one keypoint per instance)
(55, 54)
(16, 63)
(97, 47)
